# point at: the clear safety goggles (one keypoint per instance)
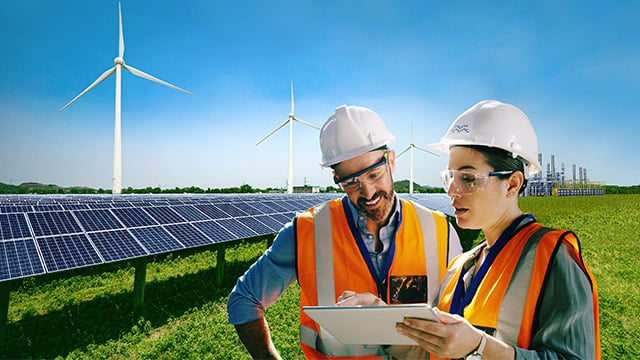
(467, 182)
(369, 175)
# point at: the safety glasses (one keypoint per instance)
(468, 182)
(369, 175)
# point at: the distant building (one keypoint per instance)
(555, 183)
(306, 189)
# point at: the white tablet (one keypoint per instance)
(373, 325)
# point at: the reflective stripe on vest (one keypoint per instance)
(324, 254)
(329, 228)
(508, 297)
(436, 253)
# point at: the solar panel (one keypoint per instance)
(46, 233)
(94, 220)
(289, 215)
(49, 207)
(281, 219)
(236, 227)
(190, 213)
(164, 215)
(156, 239)
(14, 226)
(215, 231)
(121, 204)
(53, 223)
(183, 201)
(439, 202)
(212, 211)
(247, 208)
(116, 245)
(138, 204)
(274, 206)
(291, 205)
(75, 206)
(104, 205)
(133, 217)
(307, 203)
(8, 209)
(255, 225)
(271, 223)
(19, 259)
(188, 235)
(63, 252)
(263, 207)
(231, 209)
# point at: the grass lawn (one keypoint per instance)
(88, 314)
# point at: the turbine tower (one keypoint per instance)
(289, 121)
(411, 147)
(117, 133)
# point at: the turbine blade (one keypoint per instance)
(273, 132)
(121, 36)
(144, 75)
(104, 75)
(305, 123)
(292, 105)
(427, 151)
(403, 151)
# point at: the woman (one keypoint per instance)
(525, 291)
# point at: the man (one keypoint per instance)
(369, 241)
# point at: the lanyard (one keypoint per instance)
(381, 281)
(461, 298)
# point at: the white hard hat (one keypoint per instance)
(351, 131)
(495, 124)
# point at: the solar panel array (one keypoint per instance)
(48, 233)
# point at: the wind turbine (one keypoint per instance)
(117, 133)
(289, 121)
(411, 147)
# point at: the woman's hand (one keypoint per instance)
(349, 297)
(452, 337)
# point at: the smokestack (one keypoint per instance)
(540, 162)
(540, 158)
(553, 167)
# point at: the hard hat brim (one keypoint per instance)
(532, 167)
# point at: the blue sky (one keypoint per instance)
(572, 66)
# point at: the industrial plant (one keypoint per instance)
(558, 183)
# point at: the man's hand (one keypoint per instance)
(349, 297)
(451, 337)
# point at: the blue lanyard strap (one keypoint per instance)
(461, 298)
(381, 281)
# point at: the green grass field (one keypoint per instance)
(88, 314)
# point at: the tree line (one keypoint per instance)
(400, 187)
(37, 188)
(615, 189)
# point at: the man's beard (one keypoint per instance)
(380, 213)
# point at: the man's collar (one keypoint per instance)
(393, 215)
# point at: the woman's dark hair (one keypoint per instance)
(501, 160)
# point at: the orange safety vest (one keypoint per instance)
(497, 304)
(330, 262)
